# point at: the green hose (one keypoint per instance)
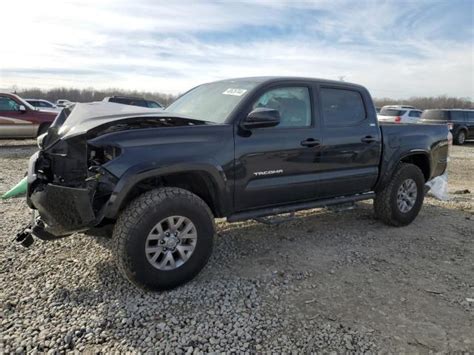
(18, 190)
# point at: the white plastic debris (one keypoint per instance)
(439, 187)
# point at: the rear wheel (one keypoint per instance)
(400, 201)
(163, 238)
(460, 138)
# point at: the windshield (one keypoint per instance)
(212, 102)
(392, 112)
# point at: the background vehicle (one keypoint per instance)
(43, 105)
(460, 122)
(133, 101)
(240, 149)
(18, 119)
(399, 114)
(63, 103)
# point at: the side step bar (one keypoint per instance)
(242, 216)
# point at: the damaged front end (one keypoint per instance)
(68, 187)
(68, 181)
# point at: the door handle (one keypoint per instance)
(368, 139)
(310, 142)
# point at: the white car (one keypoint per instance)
(63, 103)
(43, 105)
(399, 114)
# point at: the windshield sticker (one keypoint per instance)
(235, 92)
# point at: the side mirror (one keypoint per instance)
(21, 108)
(262, 117)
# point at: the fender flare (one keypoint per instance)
(138, 173)
(390, 169)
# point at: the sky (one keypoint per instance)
(395, 48)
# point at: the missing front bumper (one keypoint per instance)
(63, 209)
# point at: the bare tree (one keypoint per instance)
(90, 94)
(428, 102)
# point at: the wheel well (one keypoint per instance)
(421, 161)
(198, 182)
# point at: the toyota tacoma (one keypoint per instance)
(241, 149)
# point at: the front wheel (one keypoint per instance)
(400, 201)
(163, 238)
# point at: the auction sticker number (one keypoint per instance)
(235, 92)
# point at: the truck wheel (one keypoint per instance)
(163, 238)
(460, 138)
(400, 201)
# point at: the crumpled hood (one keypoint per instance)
(82, 118)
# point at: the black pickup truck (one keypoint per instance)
(241, 149)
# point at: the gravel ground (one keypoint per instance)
(324, 281)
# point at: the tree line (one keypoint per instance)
(424, 103)
(88, 95)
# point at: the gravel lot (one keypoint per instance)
(325, 281)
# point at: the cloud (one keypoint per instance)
(396, 49)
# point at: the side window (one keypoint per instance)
(44, 104)
(153, 104)
(7, 104)
(457, 116)
(470, 116)
(414, 114)
(293, 103)
(342, 107)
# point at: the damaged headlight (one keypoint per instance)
(101, 155)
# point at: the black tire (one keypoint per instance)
(140, 217)
(43, 128)
(460, 138)
(385, 204)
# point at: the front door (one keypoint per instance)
(278, 165)
(13, 122)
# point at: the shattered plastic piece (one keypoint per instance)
(439, 187)
(18, 190)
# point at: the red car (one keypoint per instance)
(18, 119)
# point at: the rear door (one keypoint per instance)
(351, 142)
(278, 165)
